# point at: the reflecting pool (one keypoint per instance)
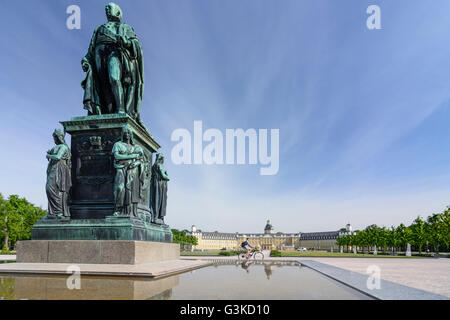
(226, 279)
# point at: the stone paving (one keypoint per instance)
(431, 275)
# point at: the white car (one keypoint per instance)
(302, 249)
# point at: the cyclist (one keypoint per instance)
(247, 247)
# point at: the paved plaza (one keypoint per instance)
(431, 275)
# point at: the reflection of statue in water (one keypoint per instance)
(58, 177)
(114, 68)
(158, 189)
(268, 268)
(131, 174)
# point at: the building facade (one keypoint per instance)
(269, 240)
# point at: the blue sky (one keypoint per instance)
(363, 115)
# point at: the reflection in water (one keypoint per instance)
(246, 264)
(7, 288)
(268, 268)
(261, 280)
(103, 288)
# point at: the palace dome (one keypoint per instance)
(268, 228)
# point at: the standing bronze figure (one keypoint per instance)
(130, 164)
(58, 177)
(158, 189)
(114, 68)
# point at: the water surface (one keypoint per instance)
(223, 280)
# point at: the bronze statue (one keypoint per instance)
(114, 68)
(58, 177)
(131, 174)
(108, 194)
(158, 189)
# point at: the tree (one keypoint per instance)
(355, 240)
(184, 238)
(391, 238)
(436, 230)
(373, 235)
(340, 241)
(17, 217)
(446, 227)
(383, 234)
(403, 235)
(5, 220)
(419, 233)
(344, 240)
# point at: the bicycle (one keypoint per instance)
(257, 255)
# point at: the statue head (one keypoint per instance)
(159, 158)
(127, 134)
(113, 12)
(58, 136)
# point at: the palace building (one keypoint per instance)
(269, 240)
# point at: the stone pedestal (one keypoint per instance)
(92, 140)
(110, 228)
(92, 194)
(116, 258)
(95, 252)
(98, 237)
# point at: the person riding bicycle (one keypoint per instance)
(247, 247)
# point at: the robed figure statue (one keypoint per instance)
(131, 174)
(58, 177)
(158, 189)
(114, 68)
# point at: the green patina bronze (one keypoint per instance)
(109, 228)
(114, 68)
(158, 190)
(58, 177)
(105, 187)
